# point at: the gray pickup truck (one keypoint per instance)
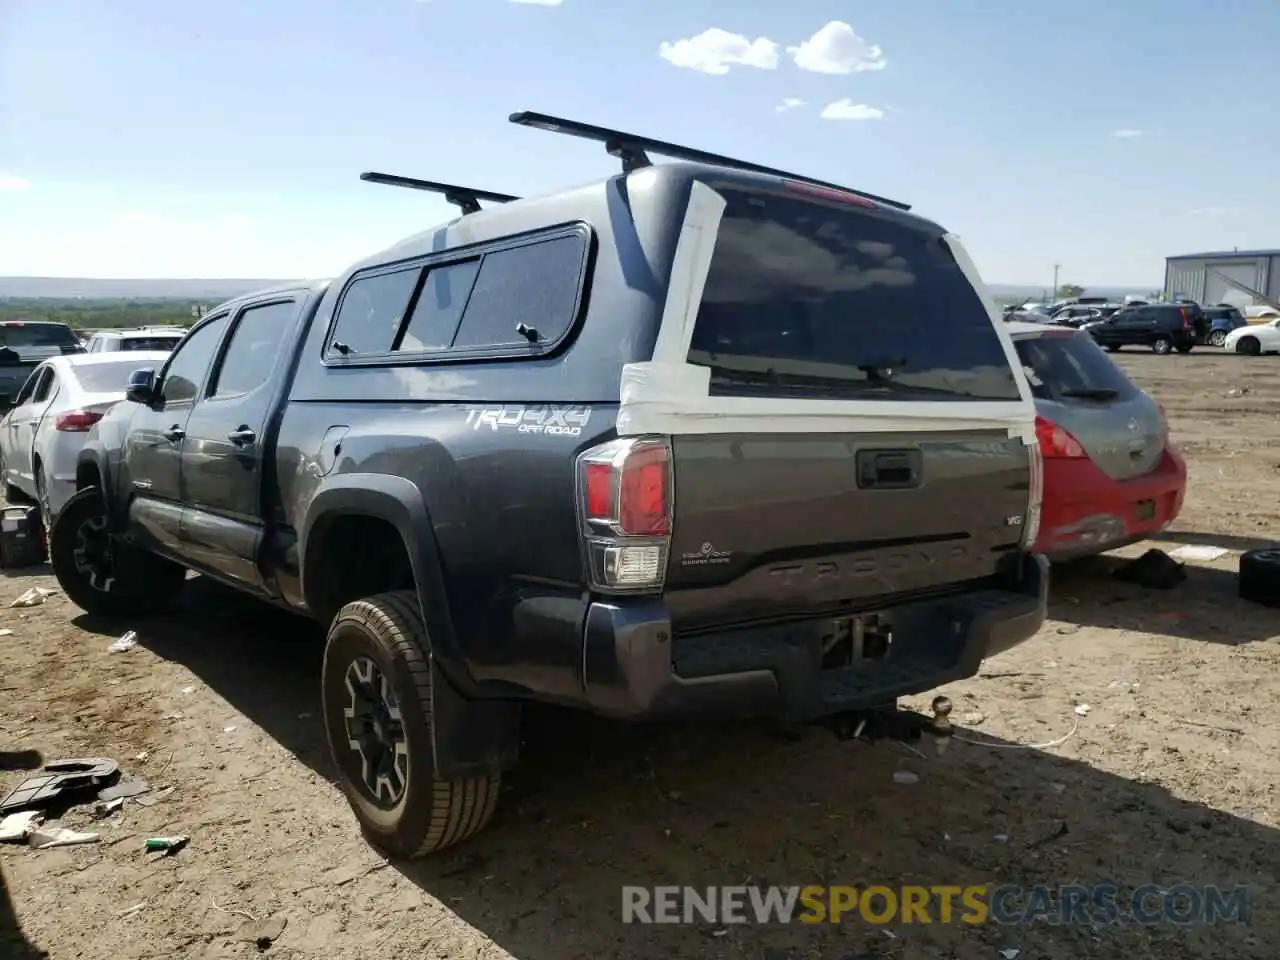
(698, 438)
(24, 345)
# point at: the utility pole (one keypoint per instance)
(1056, 268)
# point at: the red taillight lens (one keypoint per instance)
(642, 507)
(1056, 443)
(77, 421)
(625, 506)
(599, 491)
(1186, 318)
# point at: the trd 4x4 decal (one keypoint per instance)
(547, 419)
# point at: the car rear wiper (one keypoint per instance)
(1094, 393)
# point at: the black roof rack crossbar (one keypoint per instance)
(633, 151)
(464, 198)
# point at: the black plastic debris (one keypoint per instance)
(62, 780)
(126, 788)
(1155, 570)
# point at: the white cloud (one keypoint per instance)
(790, 103)
(10, 182)
(1215, 211)
(1127, 133)
(836, 48)
(846, 109)
(714, 51)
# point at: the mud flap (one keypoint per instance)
(471, 737)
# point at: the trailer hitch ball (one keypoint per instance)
(941, 726)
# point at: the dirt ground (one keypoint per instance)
(1170, 775)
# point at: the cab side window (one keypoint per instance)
(255, 344)
(187, 366)
(28, 388)
(45, 387)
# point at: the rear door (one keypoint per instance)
(222, 454)
(840, 339)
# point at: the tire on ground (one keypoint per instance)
(1259, 579)
(1162, 345)
(1249, 345)
(377, 644)
(131, 582)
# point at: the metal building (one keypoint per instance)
(1244, 278)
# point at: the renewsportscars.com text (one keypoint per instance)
(1183, 904)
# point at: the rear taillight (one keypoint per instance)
(624, 504)
(77, 421)
(1056, 443)
(1035, 499)
(1186, 318)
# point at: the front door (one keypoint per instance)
(156, 436)
(222, 456)
(22, 423)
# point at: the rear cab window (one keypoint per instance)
(814, 299)
(38, 341)
(1071, 366)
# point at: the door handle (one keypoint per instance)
(242, 437)
(174, 433)
(34, 421)
(889, 469)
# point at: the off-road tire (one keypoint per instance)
(1249, 346)
(1162, 346)
(1259, 577)
(430, 813)
(1217, 338)
(133, 582)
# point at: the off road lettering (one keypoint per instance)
(545, 419)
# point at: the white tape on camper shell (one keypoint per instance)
(668, 395)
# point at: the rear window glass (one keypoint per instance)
(1071, 366)
(38, 341)
(149, 343)
(105, 377)
(806, 299)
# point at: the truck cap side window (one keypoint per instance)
(809, 300)
(188, 364)
(509, 298)
(371, 311)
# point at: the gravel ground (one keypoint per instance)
(1169, 776)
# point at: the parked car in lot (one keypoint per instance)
(23, 345)
(140, 338)
(41, 436)
(1111, 474)
(1222, 320)
(1162, 327)
(1254, 339)
(645, 460)
(1077, 315)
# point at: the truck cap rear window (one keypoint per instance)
(808, 299)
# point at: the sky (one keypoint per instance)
(141, 138)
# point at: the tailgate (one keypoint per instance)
(777, 525)
(861, 438)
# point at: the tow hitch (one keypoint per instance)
(895, 724)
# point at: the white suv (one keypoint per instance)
(141, 338)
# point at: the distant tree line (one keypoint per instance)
(97, 314)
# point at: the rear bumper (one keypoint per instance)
(635, 667)
(1086, 512)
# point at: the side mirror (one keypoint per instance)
(142, 387)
